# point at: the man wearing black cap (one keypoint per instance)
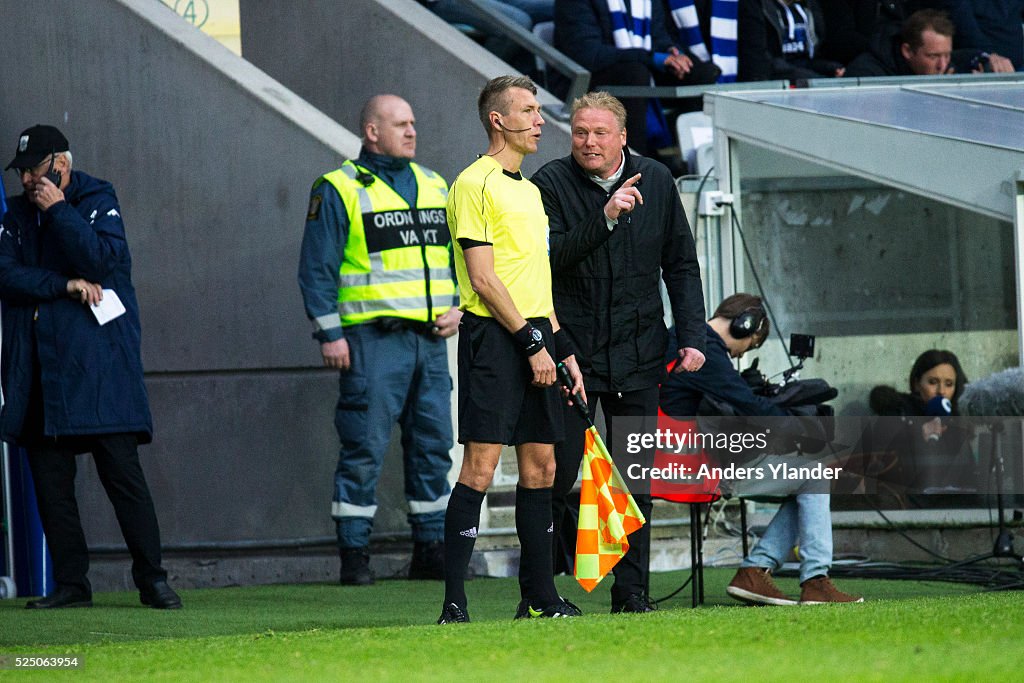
(71, 383)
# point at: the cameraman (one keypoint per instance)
(738, 325)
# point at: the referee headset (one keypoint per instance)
(511, 130)
(748, 323)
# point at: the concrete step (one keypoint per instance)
(954, 534)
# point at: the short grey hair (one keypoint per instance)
(494, 96)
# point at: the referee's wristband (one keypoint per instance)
(530, 339)
(563, 345)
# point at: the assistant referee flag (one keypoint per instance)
(608, 514)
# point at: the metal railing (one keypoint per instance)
(579, 78)
(682, 91)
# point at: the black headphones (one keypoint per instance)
(748, 323)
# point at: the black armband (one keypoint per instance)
(563, 345)
(529, 339)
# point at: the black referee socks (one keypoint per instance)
(461, 522)
(534, 527)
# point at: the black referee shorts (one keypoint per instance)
(497, 400)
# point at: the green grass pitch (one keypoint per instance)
(906, 631)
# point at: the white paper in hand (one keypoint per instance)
(109, 308)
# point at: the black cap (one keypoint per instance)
(35, 143)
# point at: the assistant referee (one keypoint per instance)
(508, 338)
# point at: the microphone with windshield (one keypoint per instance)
(998, 395)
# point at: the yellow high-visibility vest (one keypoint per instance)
(397, 258)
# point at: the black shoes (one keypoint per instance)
(355, 567)
(427, 562)
(160, 596)
(63, 596)
(636, 603)
(558, 610)
(453, 614)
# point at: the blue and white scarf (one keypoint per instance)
(631, 28)
(723, 34)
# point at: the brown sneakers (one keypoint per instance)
(820, 591)
(754, 586)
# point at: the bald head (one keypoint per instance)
(388, 126)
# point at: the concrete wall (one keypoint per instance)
(212, 161)
(338, 54)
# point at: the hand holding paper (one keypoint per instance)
(108, 308)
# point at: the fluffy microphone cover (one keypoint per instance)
(1001, 394)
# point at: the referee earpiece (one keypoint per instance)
(511, 130)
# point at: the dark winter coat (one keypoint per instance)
(605, 282)
(91, 375)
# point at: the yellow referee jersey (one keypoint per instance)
(486, 204)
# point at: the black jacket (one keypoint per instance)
(885, 400)
(853, 24)
(605, 282)
(884, 58)
(682, 392)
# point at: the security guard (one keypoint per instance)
(376, 279)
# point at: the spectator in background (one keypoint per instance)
(708, 29)
(526, 13)
(922, 46)
(779, 39)
(523, 13)
(993, 26)
(539, 10)
(628, 43)
(854, 24)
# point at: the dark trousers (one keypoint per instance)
(631, 573)
(117, 462)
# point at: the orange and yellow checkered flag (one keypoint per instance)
(608, 514)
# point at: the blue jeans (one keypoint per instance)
(395, 377)
(805, 518)
(456, 13)
(539, 10)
